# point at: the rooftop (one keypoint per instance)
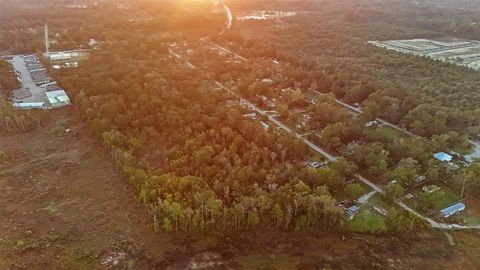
(58, 98)
(442, 156)
(452, 209)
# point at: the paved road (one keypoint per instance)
(359, 111)
(38, 93)
(229, 16)
(317, 149)
(369, 183)
(476, 152)
(366, 197)
(228, 51)
(438, 225)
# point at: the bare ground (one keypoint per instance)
(63, 205)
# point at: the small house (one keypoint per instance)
(351, 211)
(372, 123)
(452, 210)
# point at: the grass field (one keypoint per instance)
(391, 133)
(367, 221)
(439, 202)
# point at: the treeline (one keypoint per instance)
(14, 120)
(8, 80)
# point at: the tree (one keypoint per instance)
(405, 171)
(167, 224)
(469, 178)
(354, 190)
(394, 190)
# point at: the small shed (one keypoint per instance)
(352, 210)
(452, 210)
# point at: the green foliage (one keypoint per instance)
(394, 190)
(13, 120)
(354, 190)
(367, 221)
(198, 164)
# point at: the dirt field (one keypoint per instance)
(64, 206)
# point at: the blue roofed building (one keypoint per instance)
(452, 210)
(351, 211)
(442, 156)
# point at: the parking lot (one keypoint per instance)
(38, 93)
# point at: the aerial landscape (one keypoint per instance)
(239, 134)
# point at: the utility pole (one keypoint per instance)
(47, 44)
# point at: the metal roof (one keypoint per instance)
(58, 96)
(442, 156)
(452, 209)
(29, 105)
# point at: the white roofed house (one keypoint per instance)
(58, 98)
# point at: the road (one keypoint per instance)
(229, 16)
(364, 199)
(228, 51)
(323, 152)
(476, 152)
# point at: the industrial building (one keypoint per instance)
(58, 99)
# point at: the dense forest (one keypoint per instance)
(199, 164)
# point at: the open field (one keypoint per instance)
(460, 52)
(390, 133)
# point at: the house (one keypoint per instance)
(351, 211)
(306, 117)
(316, 164)
(267, 81)
(265, 125)
(452, 210)
(371, 123)
(58, 98)
(268, 102)
(443, 157)
(252, 116)
(420, 178)
(60, 56)
(431, 189)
